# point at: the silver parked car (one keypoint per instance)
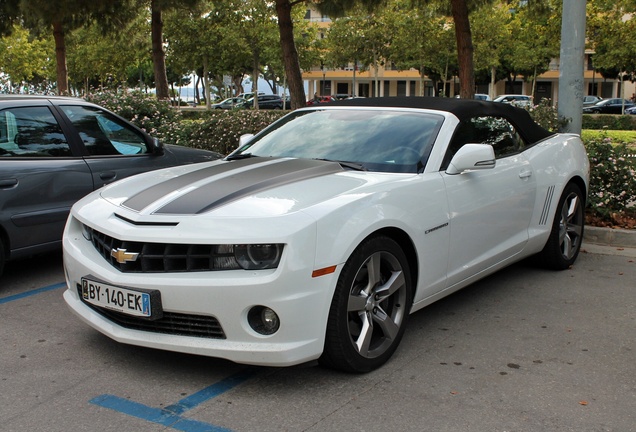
(55, 150)
(522, 101)
(590, 100)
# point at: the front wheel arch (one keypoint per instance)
(370, 307)
(3, 255)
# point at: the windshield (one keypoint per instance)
(374, 139)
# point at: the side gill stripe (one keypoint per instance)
(546, 206)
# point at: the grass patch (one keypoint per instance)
(617, 136)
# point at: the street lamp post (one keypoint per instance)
(322, 68)
(570, 103)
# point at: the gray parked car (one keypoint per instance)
(55, 150)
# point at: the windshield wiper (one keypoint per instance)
(239, 156)
(352, 165)
(345, 164)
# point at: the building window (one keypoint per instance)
(401, 88)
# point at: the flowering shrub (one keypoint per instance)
(612, 178)
(221, 130)
(145, 111)
(547, 116)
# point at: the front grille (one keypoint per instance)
(171, 323)
(163, 257)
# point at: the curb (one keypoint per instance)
(610, 236)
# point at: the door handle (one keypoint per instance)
(107, 175)
(8, 183)
(525, 174)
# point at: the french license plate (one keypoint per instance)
(125, 300)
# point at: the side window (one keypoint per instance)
(31, 132)
(104, 134)
(496, 131)
(500, 134)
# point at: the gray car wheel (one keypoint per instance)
(564, 243)
(370, 307)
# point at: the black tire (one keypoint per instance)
(376, 307)
(564, 243)
(2, 257)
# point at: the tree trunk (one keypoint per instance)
(158, 53)
(375, 75)
(464, 49)
(238, 85)
(255, 72)
(197, 98)
(206, 84)
(290, 54)
(534, 82)
(60, 57)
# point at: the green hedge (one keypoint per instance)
(609, 121)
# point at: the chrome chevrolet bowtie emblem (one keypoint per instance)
(122, 256)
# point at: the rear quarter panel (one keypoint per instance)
(557, 161)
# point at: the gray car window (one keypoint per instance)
(31, 132)
(104, 134)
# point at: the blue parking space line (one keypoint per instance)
(32, 292)
(210, 392)
(170, 416)
(154, 415)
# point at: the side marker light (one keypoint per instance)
(323, 271)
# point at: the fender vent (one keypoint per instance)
(546, 206)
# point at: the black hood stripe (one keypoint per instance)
(143, 199)
(243, 184)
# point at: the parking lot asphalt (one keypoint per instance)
(522, 350)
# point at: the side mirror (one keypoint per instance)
(244, 139)
(157, 147)
(472, 157)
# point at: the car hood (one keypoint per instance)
(254, 187)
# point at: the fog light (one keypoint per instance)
(263, 320)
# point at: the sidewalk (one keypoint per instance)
(609, 241)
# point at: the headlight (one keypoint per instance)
(87, 233)
(258, 256)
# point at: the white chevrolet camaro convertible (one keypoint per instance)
(318, 237)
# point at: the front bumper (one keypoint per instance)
(301, 302)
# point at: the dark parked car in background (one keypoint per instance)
(264, 102)
(55, 150)
(608, 106)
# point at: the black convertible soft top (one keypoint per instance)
(463, 109)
